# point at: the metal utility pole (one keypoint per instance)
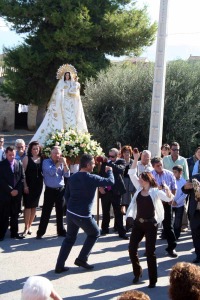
(157, 106)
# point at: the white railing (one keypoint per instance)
(2, 71)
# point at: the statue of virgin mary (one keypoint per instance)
(65, 108)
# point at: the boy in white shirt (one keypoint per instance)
(179, 200)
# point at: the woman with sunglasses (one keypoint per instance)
(146, 209)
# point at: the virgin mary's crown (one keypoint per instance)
(66, 68)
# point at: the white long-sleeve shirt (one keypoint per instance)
(155, 194)
(180, 196)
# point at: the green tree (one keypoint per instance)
(68, 31)
(118, 104)
(182, 105)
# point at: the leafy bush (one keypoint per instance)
(118, 105)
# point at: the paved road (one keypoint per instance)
(10, 137)
(112, 274)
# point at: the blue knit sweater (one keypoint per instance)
(80, 191)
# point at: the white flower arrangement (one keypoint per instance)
(73, 144)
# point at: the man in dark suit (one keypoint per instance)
(112, 195)
(11, 186)
(194, 215)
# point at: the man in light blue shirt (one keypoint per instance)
(20, 154)
(163, 177)
(54, 170)
(21, 149)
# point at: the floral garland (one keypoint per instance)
(73, 144)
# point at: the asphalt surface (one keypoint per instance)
(10, 137)
(112, 273)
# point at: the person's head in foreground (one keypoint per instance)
(184, 282)
(87, 163)
(133, 295)
(38, 288)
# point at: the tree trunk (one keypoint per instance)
(40, 114)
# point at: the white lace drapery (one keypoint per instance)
(65, 111)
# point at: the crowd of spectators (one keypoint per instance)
(149, 190)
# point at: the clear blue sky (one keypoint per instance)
(183, 29)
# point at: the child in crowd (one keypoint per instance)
(179, 200)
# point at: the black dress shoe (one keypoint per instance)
(136, 279)
(62, 234)
(124, 236)
(38, 237)
(196, 260)
(151, 285)
(83, 264)
(25, 233)
(172, 253)
(104, 232)
(17, 236)
(61, 270)
(162, 237)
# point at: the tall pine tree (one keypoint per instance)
(79, 32)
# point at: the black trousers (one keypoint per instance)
(9, 210)
(195, 228)
(106, 201)
(178, 211)
(51, 197)
(149, 230)
(168, 227)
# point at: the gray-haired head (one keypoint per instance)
(19, 141)
(146, 152)
(36, 288)
(145, 157)
(57, 148)
(115, 150)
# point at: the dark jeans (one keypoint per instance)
(195, 228)
(149, 230)
(89, 226)
(51, 197)
(178, 211)
(168, 227)
(9, 209)
(106, 201)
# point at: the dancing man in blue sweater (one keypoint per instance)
(79, 195)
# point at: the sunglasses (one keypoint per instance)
(112, 156)
(174, 149)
